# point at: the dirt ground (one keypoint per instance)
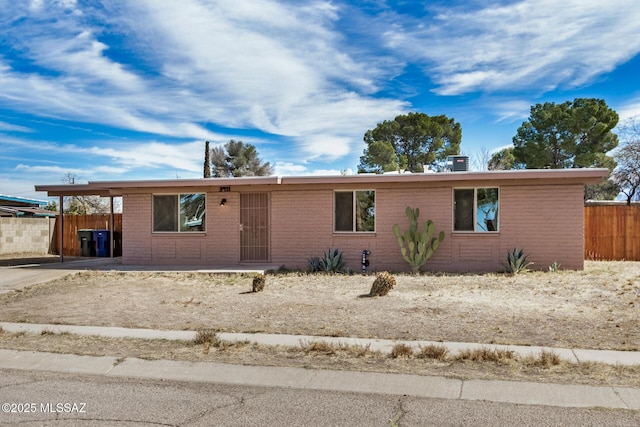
(596, 308)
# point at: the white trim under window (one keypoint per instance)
(179, 213)
(475, 210)
(354, 211)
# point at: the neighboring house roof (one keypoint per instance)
(522, 177)
(20, 201)
(17, 211)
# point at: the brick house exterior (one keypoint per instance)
(286, 220)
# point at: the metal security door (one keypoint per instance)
(254, 227)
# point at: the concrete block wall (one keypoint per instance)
(26, 235)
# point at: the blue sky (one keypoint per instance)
(121, 90)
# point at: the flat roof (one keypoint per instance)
(4, 197)
(532, 176)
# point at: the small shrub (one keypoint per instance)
(206, 337)
(517, 261)
(432, 351)
(554, 267)
(401, 350)
(383, 283)
(258, 283)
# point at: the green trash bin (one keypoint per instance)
(87, 244)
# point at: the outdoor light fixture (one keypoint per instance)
(223, 202)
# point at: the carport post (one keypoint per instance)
(61, 228)
(111, 232)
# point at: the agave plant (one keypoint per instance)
(332, 261)
(314, 264)
(517, 261)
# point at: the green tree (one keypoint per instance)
(409, 142)
(207, 160)
(51, 206)
(237, 159)
(574, 134)
(503, 160)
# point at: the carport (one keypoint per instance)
(67, 190)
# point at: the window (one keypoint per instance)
(179, 212)
(475, 209)
(355, 211)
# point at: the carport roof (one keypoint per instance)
(528, 176)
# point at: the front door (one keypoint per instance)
(254, 227)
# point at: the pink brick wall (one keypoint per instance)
(217, 246)
(544, 220)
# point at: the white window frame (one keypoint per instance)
(178, 231)
(353, 213)
(475, 210)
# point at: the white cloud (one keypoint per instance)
(187, 157)
(288, 168)
(531, 43)
(509, 110)
(14, 128)
(628, 111)
(267, 65)
(293, 169)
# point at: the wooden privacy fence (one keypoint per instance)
(73, 223)
(612, 232)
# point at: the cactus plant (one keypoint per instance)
(383, 283)
(417, 246)
(258, 282)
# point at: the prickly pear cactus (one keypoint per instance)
(258, 282)
(383, 283)
(417, 246)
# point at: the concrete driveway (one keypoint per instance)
(20, 276)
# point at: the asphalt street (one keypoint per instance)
(78, 400)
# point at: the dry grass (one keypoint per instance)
(545, 359)
(336, 357)
(330, 349)
(401, 350)
(435, 352)
(486, 354)
(206, 336)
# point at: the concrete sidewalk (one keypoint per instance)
(525, 393)
(363, 382)
(572, 355)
